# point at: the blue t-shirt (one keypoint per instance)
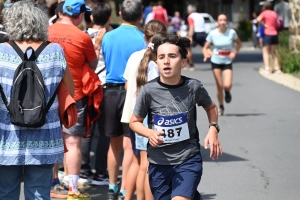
(222, 42)
(147, 10)
(117, 46)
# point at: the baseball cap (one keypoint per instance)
(72, 7)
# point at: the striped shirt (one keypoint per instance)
(32, 146)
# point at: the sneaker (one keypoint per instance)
(82, 184)
(265, 71)
(120, 196)
(61, 175)
(100, 179)
(227, 96)
(221, 111)
(111, 195)
(277, 71)
(86, 177)
(78, 196)
(191, 68)
(59, 191)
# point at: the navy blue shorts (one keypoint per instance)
(270, 40)
(168, 181)
(199, 38)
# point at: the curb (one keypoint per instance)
(286, 80)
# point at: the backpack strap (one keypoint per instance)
(49, 104)
(3, 97)
(34, 55)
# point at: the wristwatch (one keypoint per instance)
(216, 126)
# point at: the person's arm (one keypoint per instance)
(93, 64)
(191, 29)
(68, 81)
(206, 51)
(212, 135)
(233, 54)
(136, 125)
(98, 41)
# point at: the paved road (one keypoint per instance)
(259, 134)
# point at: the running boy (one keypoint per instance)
(170, 100)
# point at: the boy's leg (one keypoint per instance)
(160, 180)
(187, 178)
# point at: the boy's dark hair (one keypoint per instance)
(183, 43)
(101, 13)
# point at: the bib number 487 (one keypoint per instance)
(172, 132)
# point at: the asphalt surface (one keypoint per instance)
(259, 135)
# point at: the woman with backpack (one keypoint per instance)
(31, 148)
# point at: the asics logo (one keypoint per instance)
(160, 121)
(169, 122)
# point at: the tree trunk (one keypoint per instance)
(294, 25)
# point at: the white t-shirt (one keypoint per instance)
(198, 21)
(130, 74)
(100, 69)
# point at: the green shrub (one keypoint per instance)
(289, 61)
(244, 30)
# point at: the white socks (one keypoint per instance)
(73, 183)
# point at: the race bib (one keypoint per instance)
(224, 52)
(175, 127)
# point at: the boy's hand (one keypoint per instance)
(213, 141)
(154, 138)
(98, 38)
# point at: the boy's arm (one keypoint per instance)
(212, 135)
(136, 125)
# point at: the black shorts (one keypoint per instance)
(270, 40)
(113, 103)
(199, 38)
(221, 66)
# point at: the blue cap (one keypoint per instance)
(72, 7)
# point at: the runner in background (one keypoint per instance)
(196, 32)
(160, 13)
(176, 22)
(222, 56)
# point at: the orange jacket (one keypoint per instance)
(67, 108)
(91, 88)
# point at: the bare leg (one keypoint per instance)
(113, 158)
(275, 58)
(55, 171)
(132, 174)
(127, 160)
(180, 198)
(73, 156)
(140, 193)
(218, 77)
(190, 56)
(266, 51)
(227, 74)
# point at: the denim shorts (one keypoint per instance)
(168, 181)
(141, 141)
(37, 181)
